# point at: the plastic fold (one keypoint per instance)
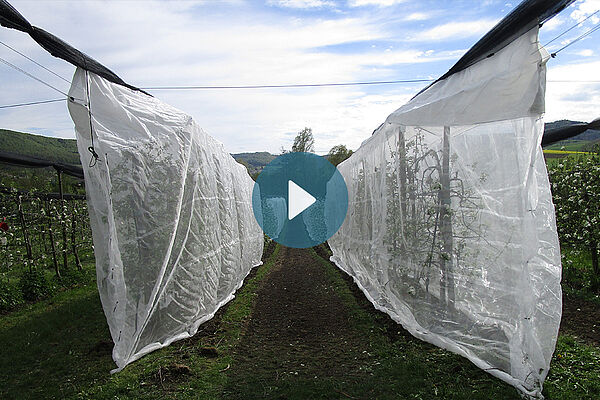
(450, 226)
(173, 228)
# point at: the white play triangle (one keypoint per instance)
(298, 199)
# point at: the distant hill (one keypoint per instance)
(46, 148)
(255, 162)
(65, 150)
(583, 141)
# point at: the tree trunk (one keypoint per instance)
(594, 251)
(402, 188)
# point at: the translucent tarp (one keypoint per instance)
(450, 226)
(170, 209)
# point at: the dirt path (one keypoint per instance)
(581, 318)
(313, 335)
(299, 335)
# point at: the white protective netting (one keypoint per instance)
(173, 228)
(450, 226)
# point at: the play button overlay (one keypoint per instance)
(300, 200)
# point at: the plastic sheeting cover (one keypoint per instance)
(170, 209)
(450, 226)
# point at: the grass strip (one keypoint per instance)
(574, 370)
(61, 348)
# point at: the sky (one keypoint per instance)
(151, 43)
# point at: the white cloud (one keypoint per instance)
(584, 8)
(554, 23)
(455, 30)
(299, 4)
(155, 43)
(585, 53)
(378, 3)
(417, 16)
(573, 92)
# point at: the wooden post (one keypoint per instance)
(62, 219)
(73, 243)
(51, 235)
(25, 233)
(41, 225)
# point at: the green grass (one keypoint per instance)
(575, 145)
(410, 368)
(60, 348)
(47, 346)
(10, 280)
(554, 161)
(578, 275)
(574, 372)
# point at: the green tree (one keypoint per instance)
(576, 194)
(338, 153)
(245, 164)
(304, 141)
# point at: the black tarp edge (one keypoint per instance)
(521, 19)
(11, 18)
(552, 136)
(32, 162)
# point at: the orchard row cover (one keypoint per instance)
(450, 226)
(170, 209)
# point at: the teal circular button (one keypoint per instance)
(300, 200)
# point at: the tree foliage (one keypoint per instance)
(432, 215)
(338, 153)
(576, 193)
(304, 141)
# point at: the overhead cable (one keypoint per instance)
(318, 85)
(32, 77)
(577, 39)
(573, 27)
(33, 103)
(287, 85)
(35, 62)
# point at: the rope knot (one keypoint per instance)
(94, 158)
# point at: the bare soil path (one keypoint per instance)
(299, 334)
(313, 334)
(581, 318)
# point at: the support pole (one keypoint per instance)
(73, 242)
(63, 222)
(25, 233)
(446, 257)
(51, 235)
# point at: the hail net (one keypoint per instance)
(450, 226)
(173, 229)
